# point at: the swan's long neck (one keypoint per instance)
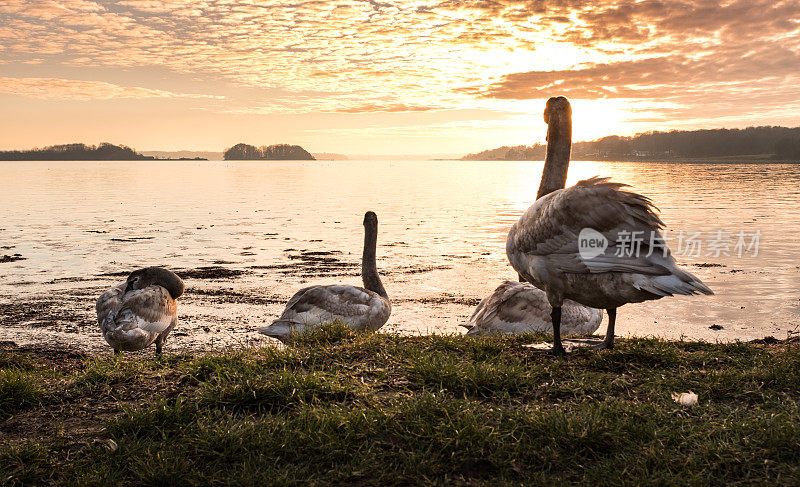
(369, 269)
(558, 116)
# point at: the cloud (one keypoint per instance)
(674, 76)
(355, 56)
(69, 89)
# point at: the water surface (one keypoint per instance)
(441, 242)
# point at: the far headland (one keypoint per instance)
(769, 144)
(80, 152)
(111, 152)
(752, 144)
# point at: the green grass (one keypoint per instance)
(18, 390)
(344, 408)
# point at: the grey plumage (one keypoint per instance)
(141, 310)
(518, 307)
(362, 308)
(543, 245)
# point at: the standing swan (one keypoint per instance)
(140, 310)
(543, 245)
(518, 307)
(362, 309)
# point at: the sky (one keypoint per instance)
(388, 77)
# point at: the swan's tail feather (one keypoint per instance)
(682, 283)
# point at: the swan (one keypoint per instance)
(518, 307)
(362, 309)
(603, 272)
(140, 310)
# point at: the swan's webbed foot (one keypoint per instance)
(558, 350)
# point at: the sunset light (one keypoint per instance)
(399, 242)
(377, 77)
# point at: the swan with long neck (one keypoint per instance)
(141, 310)
(361, 308)
(543, 246)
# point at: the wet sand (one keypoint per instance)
(224, 306)
(218, 309)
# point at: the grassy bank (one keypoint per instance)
(385, 409)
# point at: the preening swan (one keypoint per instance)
(363, 309)
(518, 307)
(141, 310)
(543, 246)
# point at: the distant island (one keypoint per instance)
(756, 144)
(245, 152)
(81, 152)
(76, 152)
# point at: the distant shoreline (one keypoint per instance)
(83, 152)
(687, 160)
(664, 160)
(104, 160)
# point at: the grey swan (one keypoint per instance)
(361, 308)
(543, 246)
(518, 307)
(141, 310)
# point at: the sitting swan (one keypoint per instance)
(140, 310)
(362, 309)
(516, 308)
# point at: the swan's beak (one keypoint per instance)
(128, 287)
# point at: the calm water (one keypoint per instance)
(442, 237)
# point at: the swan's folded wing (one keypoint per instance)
(516, 302)
(110, 302)
(625, 219)
(321, 302)
(153, 307)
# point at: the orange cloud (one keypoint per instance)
(69, 89)
(357, 56)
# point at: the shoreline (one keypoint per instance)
(224, 306)
(53, 350)
(660, 160)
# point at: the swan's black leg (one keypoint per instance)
(116, 352)
(159, 346)
(555, 315)
(608, 342)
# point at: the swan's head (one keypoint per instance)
(557, 110)
(141, 278)
(370, 219)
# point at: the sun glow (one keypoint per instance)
(591, 119)
(432, 77)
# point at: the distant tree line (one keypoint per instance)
(777, 143)
(245, 152)
(76, 152)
